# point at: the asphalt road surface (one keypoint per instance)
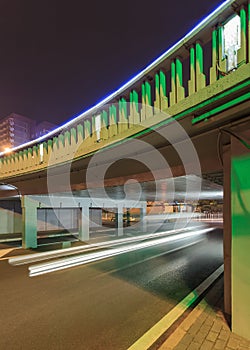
(105, 305)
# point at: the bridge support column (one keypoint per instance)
(119, 221)
(84, 224)
(143, 222)
(240, 188)
(29, 223)
(227, 244)
(236, 164)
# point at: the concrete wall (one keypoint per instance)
(57, 219)
(10, 216)
(10, 222)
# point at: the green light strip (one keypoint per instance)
(222, 108)
(154, 127)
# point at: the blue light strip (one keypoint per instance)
(212, 16)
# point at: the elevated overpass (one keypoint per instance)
(187, 113)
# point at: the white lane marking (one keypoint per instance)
(154, 333)
(65, 263)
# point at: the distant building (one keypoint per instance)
(17, 129)
(43, 128)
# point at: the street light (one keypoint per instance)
(8, 187)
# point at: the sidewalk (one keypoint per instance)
(205, 327)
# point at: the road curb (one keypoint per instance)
(154, 333)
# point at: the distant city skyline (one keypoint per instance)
(57, 60)
(16, 129)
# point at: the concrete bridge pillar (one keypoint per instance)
(84, 223)
(143, 222)
(236, 165)
(119, 221)
(29, 223)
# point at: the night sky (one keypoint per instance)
(59, 57)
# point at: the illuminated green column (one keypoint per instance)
(134, 116)
(87, 129)
(200, 76)
(80, 134)
(213, 69)
(61, 143)
(143, 102)
(29, 157)
(104, 125)
(50, 147)
(240, 189)
(25, 158)
(192, 80)
(180, 93)
(157, 103)
(67, 140)
(172, 94)
(35, 154)
(242, 52)
(136, 107)
(163, 91)
(148, 101)
(177, 90)
(73, 136)
(112, 121)
(21, 160)
(29, 223)
(248, 31)
(123, 116)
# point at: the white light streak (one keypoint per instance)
(92, 257)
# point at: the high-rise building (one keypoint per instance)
(43, 128)
(16, 129)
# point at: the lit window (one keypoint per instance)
(231, 35)
(41, 152)
(98, 127)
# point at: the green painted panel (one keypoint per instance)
(148, 93)
(80, 134)
(143, 94)
(173, 77)
(73, 134)
(221, 108)
(104, 118)
(136, 100)
(112, 114)
(123, 107)
(61, 139)
(240, 191)
(157, 85)
(87, 127)
(199, 57)
(243, 21)
(163, 89)
(179, 72)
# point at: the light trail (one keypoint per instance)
(28, 259)
(66, 263)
